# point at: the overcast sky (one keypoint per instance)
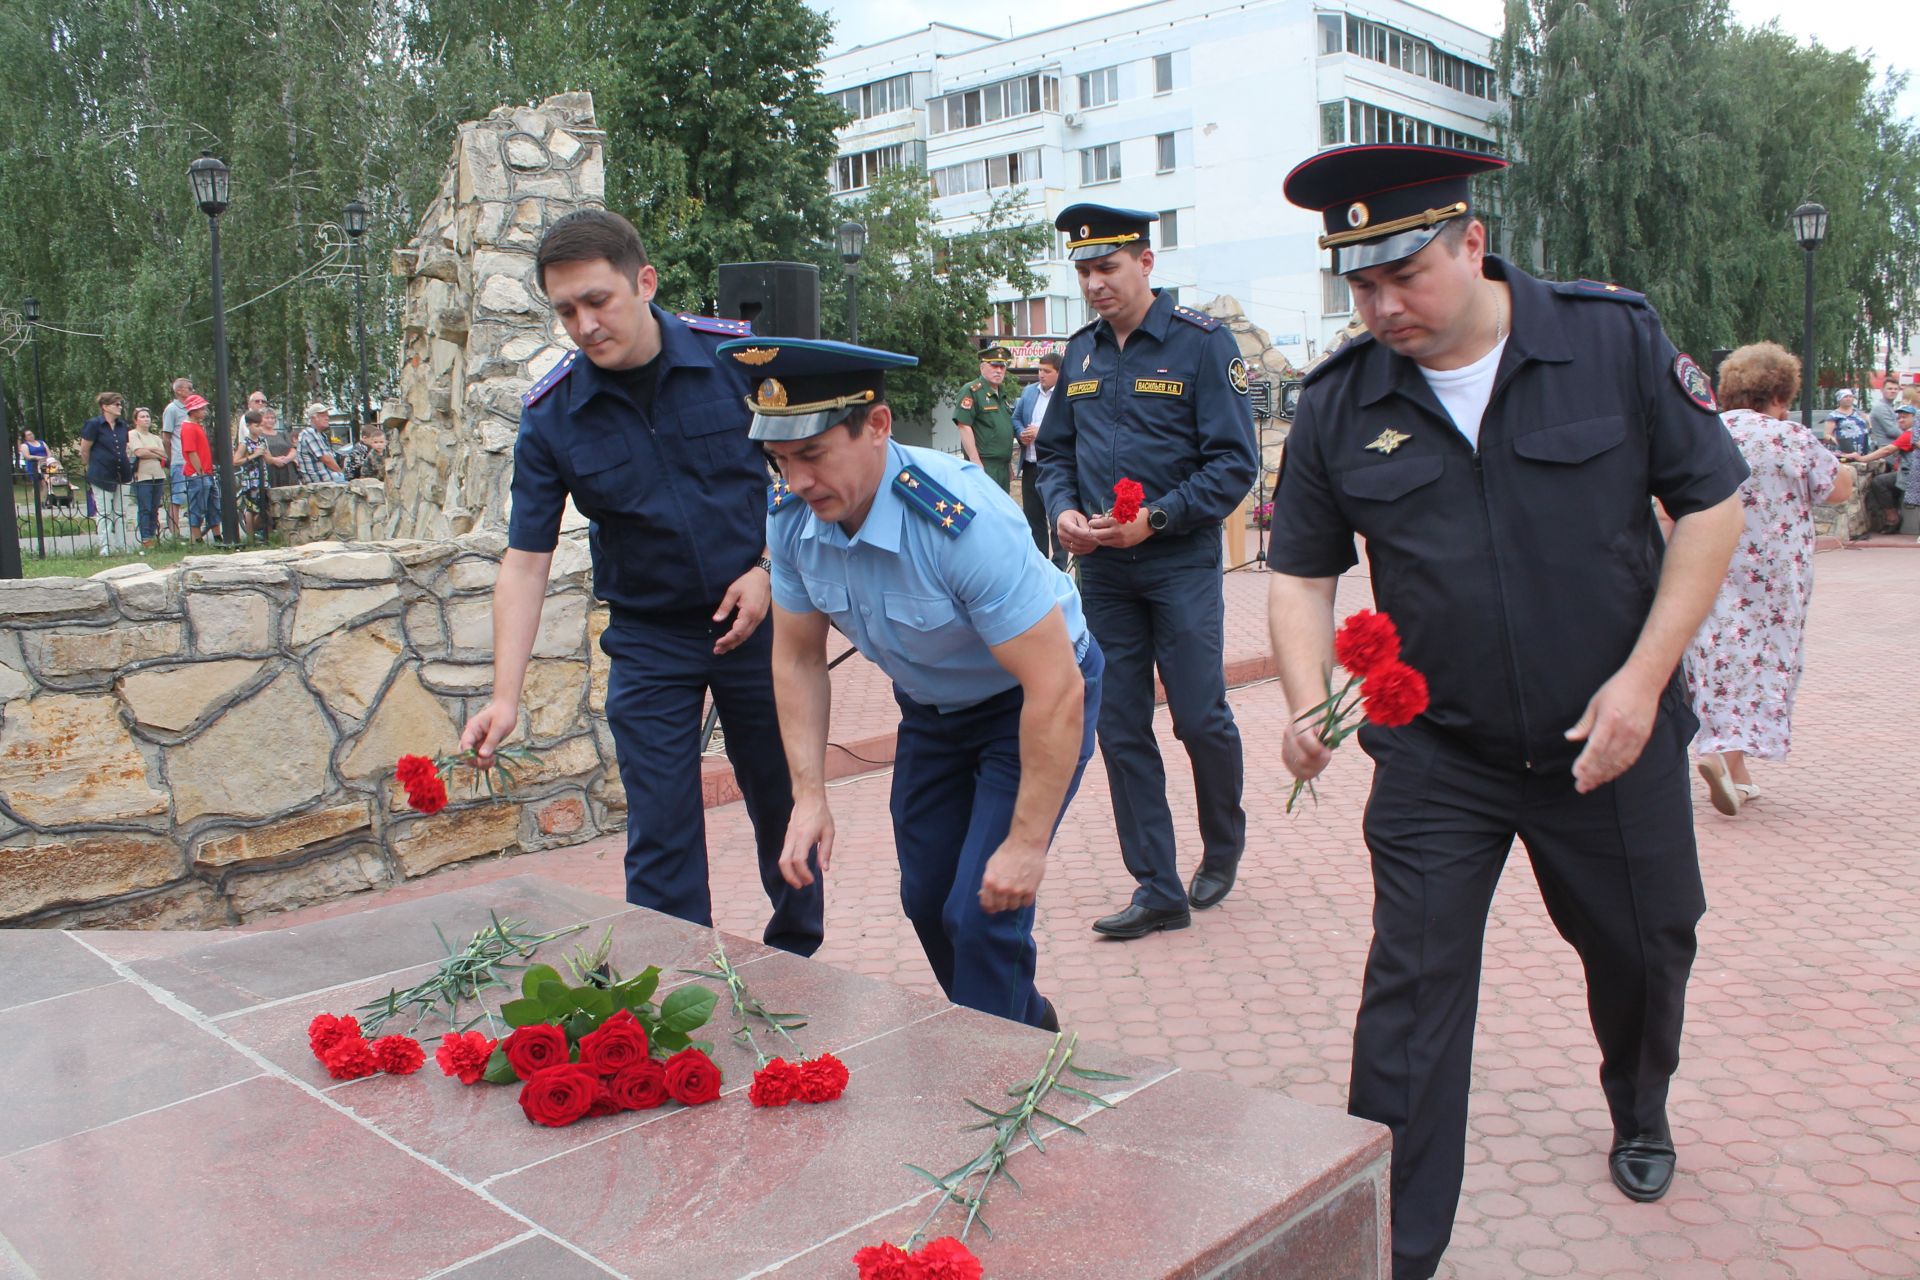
(1888, 32)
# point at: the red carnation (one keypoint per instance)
(349, 1059)
(1366, 642)
(776, 1084)
(885, 1262)
(399, 1055)
(822, 1079)
(1127, 496)
(947, 1259)
(1394, 695)
(535, 1047)
(413, 768)
(557, 1096)
(428, 794)
(692, 1079)
(640, 1087)
(325, 1031)
(620, 1042)
(464, 1054)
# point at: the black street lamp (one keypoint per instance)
(211, 187)
(1809, 224)
(30, 308)
(853, 247)
(10, 566)
(355, 220)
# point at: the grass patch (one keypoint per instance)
(86, 564)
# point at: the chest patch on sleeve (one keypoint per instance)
(1086, 388)
(1158, 387)
(1693, 380)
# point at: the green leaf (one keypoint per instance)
(929, 1177)
(577, 1024)
(522, 1013)
(555, 997)
(499, 1070)
(639, 989)
(686, 1008)
(670, 1042)
(1088, 1073)
(535, 975)
(1064, 1124)
(704, 1046)
(986, 1110)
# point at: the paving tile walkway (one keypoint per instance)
(1797, 1106)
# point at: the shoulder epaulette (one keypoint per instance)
(1336, 356)
(1599, 289)
(714, 324)
(1198, 319)
(1085, 328)
(550, 379)
(780, 496)
(930, 500)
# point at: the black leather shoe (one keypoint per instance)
(1049, 1016)
(1642, 1167)
(1211, 884)
(1138, 921)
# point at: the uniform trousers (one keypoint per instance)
(1035, 507)
(1000, 470)
(1620, 878)
(657, 678)
(1169, 611)
(956, 775)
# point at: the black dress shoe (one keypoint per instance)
(1049, 1016)
(1138, 921)
(1211, 884)
(1642, 1167)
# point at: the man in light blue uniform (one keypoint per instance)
(925, 564)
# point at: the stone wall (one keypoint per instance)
(189, 746)
(1847, 520)
(476, 335)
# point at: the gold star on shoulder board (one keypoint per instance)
(1389, 440)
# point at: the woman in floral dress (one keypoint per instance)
(1744, 665)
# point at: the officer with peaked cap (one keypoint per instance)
(929, 569)
(1495, 440)
(985, 417)
(1157, 394)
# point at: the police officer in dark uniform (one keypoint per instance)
(1157, 394)
(1496, 440)
(646, 430)
(985, 418)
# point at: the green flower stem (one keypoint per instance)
(462, 976)
(746, 1006)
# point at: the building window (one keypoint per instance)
(1333, 123)
(1100, 164)
(1413, 55)
(991, 174)
(1169, 228)
(1164, 153)
(1336, 299)
(1331, 40)
(1163, 73)
(892, 94)
(1005, 100)
(1098, 88)
(854, 172)
(1368, 123)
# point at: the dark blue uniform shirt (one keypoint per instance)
(676, 493)
(1520, 573)
(1170, 411)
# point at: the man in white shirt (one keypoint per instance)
(1027, 417)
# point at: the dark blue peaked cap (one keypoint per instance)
(805, 385)
(1385, 202)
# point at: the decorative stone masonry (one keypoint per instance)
(476, 334)
(189, 746)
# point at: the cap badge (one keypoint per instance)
(1086, 360)
(1389, 440)
(1358, 215)
(754, 355)
(1085, 231)
(770, 394)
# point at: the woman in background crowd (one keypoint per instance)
(1744, 664)
(149, 451)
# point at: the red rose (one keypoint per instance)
(603, 1101)
(464, 1054)
(535, 1047)
(619, 1042)
(325, 1031)
(398, 1055)
(428, 794)
(1394, 694)
(885, 1262)
(822, 1079)
(775, 1085)
(1366, 642)
(947, 1259)
(1127, 496)
(349, 1059)
(557, 1096)
(640, 1087)
(692, 1079)
(413, 768)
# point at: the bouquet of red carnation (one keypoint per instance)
(777, 1082)
(427, 788)
(1127, 497)
(942, 1259)
(348, 1055)
(1380, 688)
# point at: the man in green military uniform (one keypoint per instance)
(985, 418)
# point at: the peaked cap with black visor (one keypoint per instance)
(1384, 202)
(805, 385)
(1096, 230)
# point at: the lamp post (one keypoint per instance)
(355, 220)
(10, 566)
(210, 181)
(30, 308)
(1809, 224)
(853, 247)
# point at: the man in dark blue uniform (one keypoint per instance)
(648, 435)
(1157, 394)
(1497, 440)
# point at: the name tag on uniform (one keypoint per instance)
(1158, 387)
(1086, 388)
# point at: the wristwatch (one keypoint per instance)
(1156, 518)
(765, 562)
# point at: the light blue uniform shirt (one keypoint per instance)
(921, 604)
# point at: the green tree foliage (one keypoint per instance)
(1663, 146)
(922, 291)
